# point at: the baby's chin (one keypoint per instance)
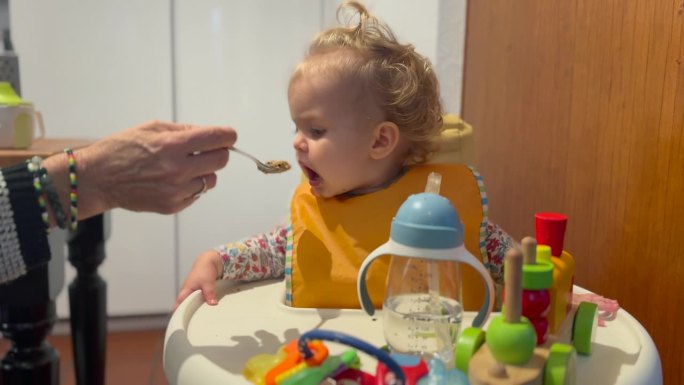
(321, 193)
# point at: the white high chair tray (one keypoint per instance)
(211, 344)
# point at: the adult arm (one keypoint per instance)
(157, 167)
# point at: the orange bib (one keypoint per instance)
(331, 238)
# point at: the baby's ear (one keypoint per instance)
(385, 139)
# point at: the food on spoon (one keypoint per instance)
(280, 165)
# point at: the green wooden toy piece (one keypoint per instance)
(511, 337)
(511, 342)
(468, 342)
(561, 365)
(584, 327)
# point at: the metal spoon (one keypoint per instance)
(268, 167)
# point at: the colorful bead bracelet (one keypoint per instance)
(73, 195)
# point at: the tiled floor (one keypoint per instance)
(133, 358)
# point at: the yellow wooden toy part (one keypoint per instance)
(561, 290)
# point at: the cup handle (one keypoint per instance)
(464, 256)
(41, 125)
(361, 286)
(488, 304)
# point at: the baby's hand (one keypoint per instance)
(203, 275)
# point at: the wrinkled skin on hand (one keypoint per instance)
(156, 167)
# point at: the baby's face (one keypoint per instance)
(334, 134)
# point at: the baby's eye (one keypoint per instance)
(311, 132)
(316, 132)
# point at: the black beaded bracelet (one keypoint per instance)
(33, 165)
(52, 198)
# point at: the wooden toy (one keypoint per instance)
(550, 232)
(508, 355)
(537, 278)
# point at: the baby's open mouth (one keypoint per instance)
(313, 177)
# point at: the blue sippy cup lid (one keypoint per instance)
(429, 221)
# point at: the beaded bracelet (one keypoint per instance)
(33, 165)
(52, 197)
(73, 196)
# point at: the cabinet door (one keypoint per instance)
(93, 68)
(596, 90)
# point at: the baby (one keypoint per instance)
(368, 114)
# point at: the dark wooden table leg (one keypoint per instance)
(27, 314)
(88, 301)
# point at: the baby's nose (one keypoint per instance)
(299, 142)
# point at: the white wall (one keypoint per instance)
(233, 60)
(435, 27)
(98, 66)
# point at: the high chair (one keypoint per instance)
(211, 344)
(456, 143)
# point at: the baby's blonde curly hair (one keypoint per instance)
(402, 81)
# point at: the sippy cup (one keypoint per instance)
(422, 309)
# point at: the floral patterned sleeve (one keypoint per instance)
(259, 257)
(497, 242)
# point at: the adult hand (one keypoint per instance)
(157, 167)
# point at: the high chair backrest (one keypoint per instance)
(456, 143)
